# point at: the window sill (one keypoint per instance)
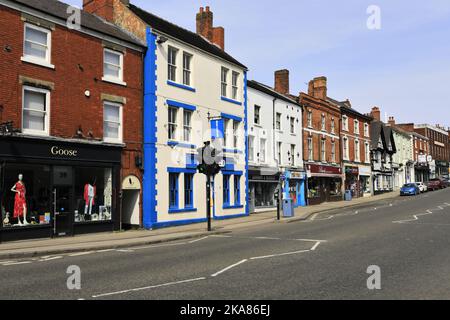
(36, 133)
(238, 206)
(235, 151)
(38, 62)
(181, 144)
(185, 210)
(231, 101)
(180, 86)
(114, 81)
(114, 141)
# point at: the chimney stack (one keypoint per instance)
(205, 28)
(376, 113)
(101, 8)
(318, 88)
(282, 81)
(391, 121)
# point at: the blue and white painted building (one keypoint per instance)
(190, 84)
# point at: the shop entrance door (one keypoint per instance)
(62, 211)
(324, 195)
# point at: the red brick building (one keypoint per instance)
(321, 144)
(355, 142)
(74, 100)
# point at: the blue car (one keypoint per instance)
(410, 189)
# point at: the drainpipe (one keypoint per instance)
(278, 164)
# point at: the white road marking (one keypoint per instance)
(16, 263)
(160, 246)
(267, 238)
(50, 259)
(106, 250)
(228, 268)
(310, 240)
(124, 250)
(279, 255)
(197, 240)
(220, 236)
(416, 216)
(147, 288)
(81, 254)
(315, 246)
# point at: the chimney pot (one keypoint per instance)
(205, 28)
(282, 81)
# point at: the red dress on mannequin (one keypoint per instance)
(19, 201)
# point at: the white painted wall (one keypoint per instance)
(206, 79)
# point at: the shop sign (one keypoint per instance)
(422, 158)
(298, 175)
(57, 151)
(131, 183)
(365, 171)
(352, 170)
(324, 169)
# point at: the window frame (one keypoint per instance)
(324, 123)
(118, 80)
(47, 93)
(224, 81)
(323, 150)
(356, 126)
(187, 71)
(48, 54)
(236, 125)
(310, 119)
(172, 67)
(310, 149)
(262, 147)
(226, 190)
(293, 147)
(292, 125)
(278, 122)
(189, 177)
(333, 151)
(237, 189)
(120, 106)
(172, 136)
(235, 85)
(345, 123)
(257, 107)
(187, 127)
(357, 151)
(251, 148)
(174, 189)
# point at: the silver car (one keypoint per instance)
(422, 187)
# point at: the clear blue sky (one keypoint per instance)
(404, 68)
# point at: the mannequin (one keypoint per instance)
(20, 203)
(90, 191)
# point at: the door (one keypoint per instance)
(325, 194)
(63, 211)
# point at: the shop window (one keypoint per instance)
(188, 190)
(93, 194)
(313, 188)
(226, 190)
(237, 190)
(26, 198)
(336, 187)
(36, 105)
(173, 190)
(265, 194)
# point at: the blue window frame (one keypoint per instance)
(173, 190)
(237, 190)
(226, 190)
(188, 190)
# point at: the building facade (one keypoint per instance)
(383, 149)
(72, 100)
(321, 144)
(439, 149)
(355, 144)
(275, 146)
(194, 92)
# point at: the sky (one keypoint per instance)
(403, 67)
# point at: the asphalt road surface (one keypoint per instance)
(326, 257)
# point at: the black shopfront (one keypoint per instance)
(54, 188)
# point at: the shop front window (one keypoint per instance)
(313, 188)
(265, 194)
(336, 187)
(93, 194)
(26, 197)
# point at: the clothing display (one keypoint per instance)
(89, 196)
(20, 203)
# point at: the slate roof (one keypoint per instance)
(346, 109)
(379, 129)
(58, 9)
(270, 91)
(182, 34)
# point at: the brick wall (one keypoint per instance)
(78, 60)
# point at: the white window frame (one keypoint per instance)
(367, 152)
(170, 65)
(366, 129)
(324, 123)
(345, 123)
(236, 125)
(175, 124)
(262, 147)
(333, 126)
(292, 125)
(115, 80)
(310, 119)
(279, 150)
(186, 126)
(293, 149)
(333, 152)
(187, 71)
(357, 151)
(323, 150)
(310, 149)
(251, 148)
(120, 106)
(356, 125)
(346, 146)
(45, 132)
(278, 124)
(224, 81)
(235, 85)
(257, 107)
(48, 55)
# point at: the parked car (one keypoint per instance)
(446, 183)
(422, 187)
(436, 184)
(410, 189)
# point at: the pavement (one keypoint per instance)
(330, 255)
(124, 239)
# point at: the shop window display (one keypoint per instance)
(93, 194)
(314, 188)
(265, 194)
(336, 187)
(25, 195)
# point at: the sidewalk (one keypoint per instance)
(117, 240)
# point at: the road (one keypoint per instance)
(325, 257)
